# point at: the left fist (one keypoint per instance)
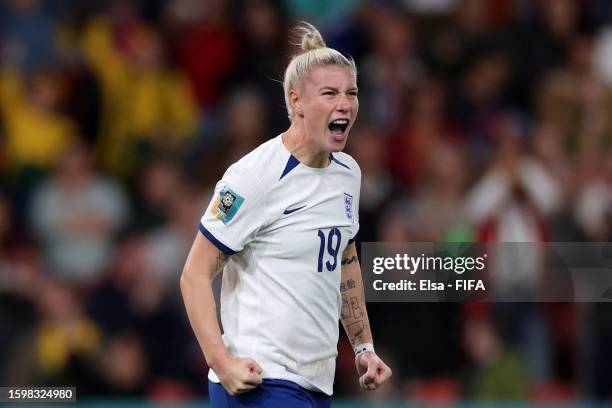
(372, 370)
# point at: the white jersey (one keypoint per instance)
(288, 225)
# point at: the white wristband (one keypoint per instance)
(363, 347)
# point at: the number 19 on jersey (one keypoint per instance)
(334, 237)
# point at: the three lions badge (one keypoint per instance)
(348, 207)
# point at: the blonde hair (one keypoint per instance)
(314, 52)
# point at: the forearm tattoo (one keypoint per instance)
(351, 313)
(345, 312)
(355, 332)
(350, 260)
(348, 284)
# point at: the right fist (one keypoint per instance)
(239, 375)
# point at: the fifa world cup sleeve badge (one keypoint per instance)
(226, 205)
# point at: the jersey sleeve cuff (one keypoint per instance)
(351, 240)
(222, 247)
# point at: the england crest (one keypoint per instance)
(348, 207)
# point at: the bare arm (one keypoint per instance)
(354, 316)
(204, 262)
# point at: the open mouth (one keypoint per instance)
(338, 126)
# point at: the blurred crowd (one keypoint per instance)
(479, 121)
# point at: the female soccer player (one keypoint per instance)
(281, 226)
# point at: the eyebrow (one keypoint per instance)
(331, 88)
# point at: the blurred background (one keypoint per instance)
(479, 121)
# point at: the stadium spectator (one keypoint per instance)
(201, 32)
(36, 131)
(28, 34)
(390, 70)
(58, 348)
(75, 214)
(148, 105)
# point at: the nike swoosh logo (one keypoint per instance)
(288, 211)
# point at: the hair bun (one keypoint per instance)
(313, 53)
(310, 37)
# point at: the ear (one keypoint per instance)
(296, 103)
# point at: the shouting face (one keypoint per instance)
(328, 103)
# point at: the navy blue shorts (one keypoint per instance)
(269, 394)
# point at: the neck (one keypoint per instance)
(300, 146)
